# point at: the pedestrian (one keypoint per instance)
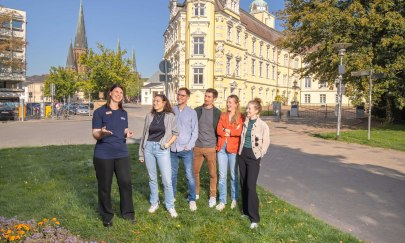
(229, 130)
(255, 141)
(208, 117)
(182, 148)
(110, 129)
(160, 132)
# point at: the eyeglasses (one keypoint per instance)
(181, 95)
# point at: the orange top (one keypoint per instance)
(232, 142)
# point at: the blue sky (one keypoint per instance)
(138, 24)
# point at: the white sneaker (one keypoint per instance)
(220, 206)
(193, 206)
(212, 202)
(234, 204)
(254, 225)
(173, 212)
(197, 197)
(153, 208)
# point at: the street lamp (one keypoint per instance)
(341, 47)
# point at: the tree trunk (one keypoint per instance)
(389, 117)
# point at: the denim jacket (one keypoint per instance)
(171, 130)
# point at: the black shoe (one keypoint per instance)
(108, 224)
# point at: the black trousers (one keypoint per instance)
(104, 172)
(249, 168)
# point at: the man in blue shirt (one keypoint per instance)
(182, 148)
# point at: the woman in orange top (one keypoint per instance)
(229, 130)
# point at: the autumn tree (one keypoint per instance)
(376, 29)
(65, 81)
(11, 44)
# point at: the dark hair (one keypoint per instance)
(213, 91)
(235, 118)
(167, 108)
(109, 97)
(187, 91)
(257, 102)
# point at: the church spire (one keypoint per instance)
(81, 38)
(134, 68)
(71, 62)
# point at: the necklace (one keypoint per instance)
(159, 117)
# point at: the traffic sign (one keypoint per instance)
(165, 66)
(162, 78)
(360, 73)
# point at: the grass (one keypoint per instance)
(389, 136)
(59, 181)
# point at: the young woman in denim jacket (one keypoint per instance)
(159, 133)
(255, 141)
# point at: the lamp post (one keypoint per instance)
(341, 70)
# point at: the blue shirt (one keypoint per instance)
(187, 125)
(113, 146)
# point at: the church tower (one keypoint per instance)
(259, 9)
(80, 46)
(133, 60)
(71, 61)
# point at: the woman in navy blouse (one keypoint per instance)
(110, 129)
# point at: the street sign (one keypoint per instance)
(165, 66)
(377, 75)
(341, 69)
(360, 73)
(162, 78)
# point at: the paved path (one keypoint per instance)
(356, 188)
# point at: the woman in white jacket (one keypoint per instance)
(255, 141)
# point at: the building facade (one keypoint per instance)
(12, 58)
(215, 43)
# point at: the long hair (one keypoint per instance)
(257, 102)
(109, 97)
(167, 108)
(235, 118)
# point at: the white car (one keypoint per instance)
(83, 110)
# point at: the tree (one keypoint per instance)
(107, 68)
(376, 30)
(65, 81)
(11, 45)
(133, 86)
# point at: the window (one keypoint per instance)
(253, 46)
(322, 98)
(268, 52)
(238, 37)
(284, 79)
(308, 82)
(296, 62)
(229, 33)
(286, 60)
(17, 24)
(237, 68)
(274, 53)
(307, 98)
(322, 85)
(260, 69)
(267, 71)
(253, 66)
(228, 66)
(199, 9)
(261, 50)
(246, 38)
(198, 75)
(198, 45)
(273, 73)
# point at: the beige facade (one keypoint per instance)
(215, 43)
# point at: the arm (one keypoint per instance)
(99, 133)
(171, 141)
(194, 130)
(266, 138)
(221, 126)
(145, 128)
(237, 131)
(175, 132)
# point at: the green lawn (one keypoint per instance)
(59, 181)
(391, 136)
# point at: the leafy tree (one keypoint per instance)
(65, 81)
(376, 29)
(106, 68)
(133, 86)
(10, 45)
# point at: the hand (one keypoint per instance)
(166, 145)
(105, 132)
(130, 134)
(141, 160)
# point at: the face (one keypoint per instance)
(158, 104)
(209, 99)
(231, 104)
(117, 94)
(251, 110)
(182, 97)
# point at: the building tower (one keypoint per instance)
(259, 9)
(71, 61)
(80, 47)
(133, 60)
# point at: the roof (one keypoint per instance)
(81, 38)
(155, 77)
(70, 62)
(151, 85)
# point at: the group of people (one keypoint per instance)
(227, 139)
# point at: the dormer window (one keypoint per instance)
(199, 9)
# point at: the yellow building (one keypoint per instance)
(215, 43)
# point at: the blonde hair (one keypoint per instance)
(235, 118)
(257, 102)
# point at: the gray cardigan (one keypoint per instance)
(171, 130)
(260, 135)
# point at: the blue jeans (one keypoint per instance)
(187, 157)
(225, 159)
(153, 153)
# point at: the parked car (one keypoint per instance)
(83, 110)
(8, 111)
